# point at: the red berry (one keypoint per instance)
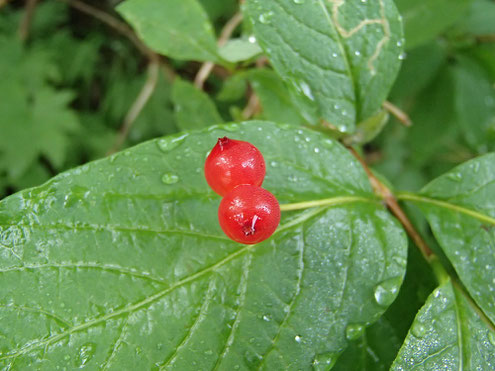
(249, 214)
(234, 162)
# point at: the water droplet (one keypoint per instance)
(232, 128)
(399, 43)
(386, 291)
(298, 1)
(297, 338)
(86, 352)
(457, 177)
(170, 143)
(324, 361)
(418, 329)
(402, 56)
(317, 150)
(266, 318)
(400, 261)
(209, 352)
(357, 53)
(274, 164)
(252, 39)
(364, 1)
(169, 178)
(354, 331)
(266, 18)
(491, 337)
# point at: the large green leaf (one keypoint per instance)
(339, 57)
(121, 263)
(447, 334)
(176, 28)
(425, 19)
(460, 208)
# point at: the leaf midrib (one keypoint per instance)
(446, 205)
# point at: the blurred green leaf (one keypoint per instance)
(239, 50)
(275, 100)
(447, 334)
(35, 119)
(426, 19)
(176, 28)
(474, 103)
(121, 263)
(479, 19)
(338, 58)
(193, 108)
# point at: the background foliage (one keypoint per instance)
(80, 83)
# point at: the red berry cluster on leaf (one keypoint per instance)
(235, 170)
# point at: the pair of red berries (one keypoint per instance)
(235, 170)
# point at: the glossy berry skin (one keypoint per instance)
(233, 162)
(249, 214)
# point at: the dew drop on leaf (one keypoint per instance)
(169, 178)
(324, 361)
(231, 127)
(86, 352)
(354, 331)
(386, 291)
(266, 18)
(298, 1)
(491, 337)
(297, 338)
(418, 329)
(168, 144)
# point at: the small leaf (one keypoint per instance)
(108, 266)
(460, 208)
(447, 334)
(275, 101)
(177, 29)
(194, 109)
(339, 58)
(426, 19)
(239, 50)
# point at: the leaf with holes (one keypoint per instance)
(339, 58)
(121, 263)
(460, 208)
(447, 334)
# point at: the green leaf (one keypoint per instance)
(121, 263)
(339, 58)
(194, 109)
(426, 19)
(275, 101)
(461, 211)
(447, 334)
(239, 50)
(479, 19)
(35, 118)
(474, 103)
(176, 28)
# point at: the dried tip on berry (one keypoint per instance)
(233, 162)
(222, 142)
(249, 214)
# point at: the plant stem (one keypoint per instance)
(138, 105)
(391, 202)
(397, 113)
(25, 24)
(206, 68)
